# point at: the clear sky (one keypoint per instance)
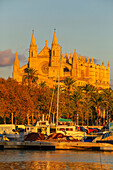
(84, 25)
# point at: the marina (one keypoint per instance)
(64, 136)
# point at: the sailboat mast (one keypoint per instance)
(58, 88)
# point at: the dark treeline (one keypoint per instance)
(24, 104)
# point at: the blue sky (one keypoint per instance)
(84, 25)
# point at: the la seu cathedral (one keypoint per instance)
(46, 62)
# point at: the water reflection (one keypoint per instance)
(55, 160)
(46, 165)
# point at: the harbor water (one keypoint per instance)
(55, 160)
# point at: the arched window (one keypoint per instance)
(66, 69)
(32, 54)
(53, 52)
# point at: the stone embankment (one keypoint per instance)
(56, 145)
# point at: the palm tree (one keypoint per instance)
(78, 99)
(97, 102)
(108, 102)
(30, 76)
(68, 84)
(42, 84)
(87, 90)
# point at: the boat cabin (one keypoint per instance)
(7, 128)
(66, 130)
(43, 127)
(40, 127)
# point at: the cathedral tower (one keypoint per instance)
(54, 51)
(33, 47)
(32, 52)
(54, 61)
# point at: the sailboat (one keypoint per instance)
(68, 130)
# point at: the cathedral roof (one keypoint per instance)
(45, 50)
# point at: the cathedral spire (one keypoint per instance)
(33, 38)
(45, 43)
(75, 64)
(55, 42)
(75, 57)
(33, 46)
(103, 63)
(92, 61)
(108, 64)
(16, 62)
(55, 51)
(16, 68)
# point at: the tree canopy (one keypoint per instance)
(85, 105)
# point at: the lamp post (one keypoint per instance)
(12, 118)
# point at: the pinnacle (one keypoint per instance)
(55, 42)
(16, 62)
(33, 39)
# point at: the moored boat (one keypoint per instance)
(71, 131)
(105, 137)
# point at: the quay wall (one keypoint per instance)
(42, 145)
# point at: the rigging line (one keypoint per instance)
(58, 87)
(51, 103)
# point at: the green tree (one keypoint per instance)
(30, 76)
(97, 102)
(87, 90)
(108, 103)
(42, 84)
(78, 99)
(68, 85)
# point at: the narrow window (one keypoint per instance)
(53, 52)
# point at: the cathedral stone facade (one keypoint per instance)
(46, 62)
